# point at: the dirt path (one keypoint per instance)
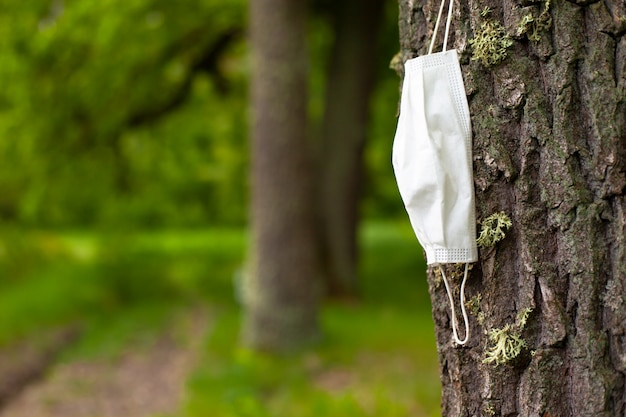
(27, 361)
(140, 382)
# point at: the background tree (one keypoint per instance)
(546, 85)
(352, 76)
(281, 291)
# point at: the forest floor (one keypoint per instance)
(148, 326)
(144, 379)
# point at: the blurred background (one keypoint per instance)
(124, 212)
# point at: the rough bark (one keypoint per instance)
(280, 291)
(549, 125)
(351, 78)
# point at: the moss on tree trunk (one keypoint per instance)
(549, 124)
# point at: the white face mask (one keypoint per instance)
(432, 160)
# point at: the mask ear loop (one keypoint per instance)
(445, 39)
(465, 320)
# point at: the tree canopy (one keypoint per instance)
(135, 112)
(107, 107)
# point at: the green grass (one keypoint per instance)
(52, 279)
(377, 357)
(390, 369)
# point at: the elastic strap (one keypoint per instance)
(445, 39)
(455, 334)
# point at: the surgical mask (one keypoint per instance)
(432, 161)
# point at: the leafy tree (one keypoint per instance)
(99, 94)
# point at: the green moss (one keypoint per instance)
(490, 410)
(486, 11)
(525, 25)
(473, 304)
(492, 230)
(480, 318)
(396, 63)
(507, 345)
(490, 44)
(507, 342)
(522, 317)
(456, 271)
(486, 120)
(438, 277)
(532, 26)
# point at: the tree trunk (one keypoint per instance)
(549, 126)
(281, 287)
(351, 78)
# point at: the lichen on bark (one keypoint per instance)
(549, 146)
(490, 43)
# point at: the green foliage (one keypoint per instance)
(123, 112)
(490, 43)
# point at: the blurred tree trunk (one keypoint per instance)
(549, 149)
(281, 288)
(351, 79)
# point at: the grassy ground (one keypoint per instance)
(377, 357)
